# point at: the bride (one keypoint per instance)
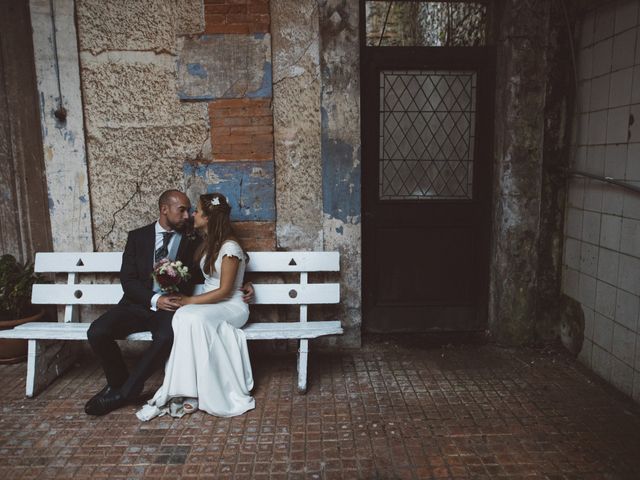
(209, 367)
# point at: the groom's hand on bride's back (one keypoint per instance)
(169, 303)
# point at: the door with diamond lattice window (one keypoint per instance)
(426, 170)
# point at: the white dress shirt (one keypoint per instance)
(172, 247)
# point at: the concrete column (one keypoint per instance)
(520, 101)
(58, 80)
(340, 151)
(296, 122)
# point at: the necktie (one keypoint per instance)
(163, 251)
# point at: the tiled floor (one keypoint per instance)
(387, 411)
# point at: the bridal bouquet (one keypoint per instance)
(169, 274)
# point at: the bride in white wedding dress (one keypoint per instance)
(209, 367)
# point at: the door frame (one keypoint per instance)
(375, 59)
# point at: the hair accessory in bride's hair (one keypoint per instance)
(215, 201)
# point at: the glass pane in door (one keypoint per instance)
(427, 134)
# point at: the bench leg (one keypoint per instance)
(46, 361)
(303, 356)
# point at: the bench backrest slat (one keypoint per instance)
(64, 262)
(61, 294)
(110, 294)
(293, 262)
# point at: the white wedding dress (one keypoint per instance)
(209, 359)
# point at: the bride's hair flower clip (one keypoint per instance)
(215, 201)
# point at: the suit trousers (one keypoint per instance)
(116, 324)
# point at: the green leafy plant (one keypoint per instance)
(16, 280)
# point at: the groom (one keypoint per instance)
(143, 307)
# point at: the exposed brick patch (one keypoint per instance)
(236, 16)
(241, 129)
(257, 236)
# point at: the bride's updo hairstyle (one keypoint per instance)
(216, 208)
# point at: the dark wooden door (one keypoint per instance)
(426, 170)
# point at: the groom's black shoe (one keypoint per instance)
(109, 401)
(106, 389)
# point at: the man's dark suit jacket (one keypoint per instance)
(137, 266)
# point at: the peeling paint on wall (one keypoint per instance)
(341, 178)
(247, 185)
(340, 152)
(64, 148)
(224, 66)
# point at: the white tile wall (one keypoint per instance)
(620, 87)
(624, 344)
(576, 192)
(585, 67)
(635, 85)
(632, 171)
(587, 291)
(608, 262)
(630, 236)
(634, 126)
(606, 300)
(618, 125)
(589, 258)
(604, 25)
(600, 91)
(629, 274)
(602, 232)
(621, 375)
(573, 222)
(612, 200)
(610, 231)
(591, 228)
(627, 309)
(602, 52)
(631, 203)
(626, 17)
(597, 128)
(615, 160)
(595, 159)
(571, 283)
(623, 50)
(601, 362)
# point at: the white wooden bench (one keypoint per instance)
(47, 358)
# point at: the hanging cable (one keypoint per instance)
(571, 46)
(384, 25)
(61, 112)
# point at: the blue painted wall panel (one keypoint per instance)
(249, 186)
(340, 177)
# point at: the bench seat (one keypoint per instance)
(253, 331)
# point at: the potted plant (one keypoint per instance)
(16, 280)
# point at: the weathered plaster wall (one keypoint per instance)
(559, 99)
(63, 141)
(139, 134)
(340, 152)
(297, 126)
(520, 99)
(317, 140)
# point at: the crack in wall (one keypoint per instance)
(126, 204)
